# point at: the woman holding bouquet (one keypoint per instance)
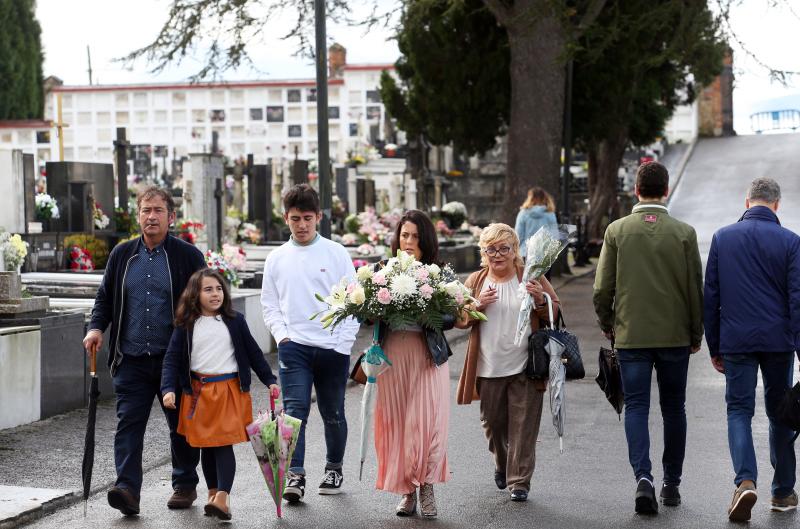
(494, 367)
(412, 406)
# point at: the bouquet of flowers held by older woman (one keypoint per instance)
(541, 251)
(404, 292)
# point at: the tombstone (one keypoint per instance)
(410, 192)
(201, 173)
(365, 194)
(259, 197)
(395, 191)
(76, 186)
(352, 190)
(29, 187)
(12, 216)
(340, 186)
(121, 165)
(299, 172)
(238, 185)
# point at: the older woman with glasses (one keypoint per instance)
(494, 368)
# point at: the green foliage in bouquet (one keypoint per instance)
(97, 248)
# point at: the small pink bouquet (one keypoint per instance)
(403, 292)
(218, 262)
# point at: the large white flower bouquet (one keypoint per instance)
(404, 292)
(14, 250)
(46, 207)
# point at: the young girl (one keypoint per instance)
(208, 360)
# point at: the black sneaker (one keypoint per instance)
(646, 498)
(295, 487)
(500, 479)
(519, 495)
(332, 482)
(670, 495)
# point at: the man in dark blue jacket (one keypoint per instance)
(141, 285)
(752, 321)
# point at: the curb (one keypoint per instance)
(681, 168)
(41, 511)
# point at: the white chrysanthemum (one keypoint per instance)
(434, 270)
(357, 296)
(405, 260)
(364, 273)
(453, 287)
(403, 286)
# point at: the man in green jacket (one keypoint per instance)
(648, 296)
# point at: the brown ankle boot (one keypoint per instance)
(219, 506)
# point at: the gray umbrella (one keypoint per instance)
(556, 384)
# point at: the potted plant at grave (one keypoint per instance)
(79, 259)
(217, 261)
(46, 209)
(189, 230)
(97, 249)
(14, 251)
(454, 214)
(249, 232)
(101, 220)
(125, 221)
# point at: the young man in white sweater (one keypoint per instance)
(307, 265)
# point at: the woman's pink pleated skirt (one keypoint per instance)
(412, 412)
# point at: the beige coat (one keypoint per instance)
(467, 390)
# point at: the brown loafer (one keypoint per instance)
(744, 499)
(123, 500)
(182, 498)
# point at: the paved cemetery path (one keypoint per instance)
(590, 484)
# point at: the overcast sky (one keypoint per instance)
(112, 28)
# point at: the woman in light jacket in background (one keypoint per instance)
(537, 211)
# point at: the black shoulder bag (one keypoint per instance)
(537, 367)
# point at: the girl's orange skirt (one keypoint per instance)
(218, 416)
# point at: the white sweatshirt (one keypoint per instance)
(293, 274)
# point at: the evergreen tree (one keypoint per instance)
(21, 82)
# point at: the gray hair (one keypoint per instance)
(764, 190)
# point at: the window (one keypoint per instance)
(355, 96)
(42, 136)
(5, 137)
(218, 97)
(256, 114)
(373, 96)
(237, 133)
(103, 118)
(180, 135)
(236, 97)
(237, 115)
(161, 116)
(311, 94)
(198, 116)
(84, 118)
(217, 116)
(275, 114)
(275, 96)
(353, 128)
(140, 99)
(141, 117)
(355, 112)
(179, 116)
(178, 99)
(293, 96)
(295, 131)
(122, 118)
(160, 99)
(198, 133)
(103, 135)
(295, 114)
(333, 112)
(66, 101)
(333, 92)
(373, 113)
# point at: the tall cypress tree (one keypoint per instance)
(21, 57)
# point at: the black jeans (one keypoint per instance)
(137, 383)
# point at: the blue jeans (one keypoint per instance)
(137, 383)
(741, 374)
(300, 367)
(636, 367)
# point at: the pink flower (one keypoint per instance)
(459, 298)
(379, 279)
(422, 274)
(426, 291)
(384, 296)
(350, 288)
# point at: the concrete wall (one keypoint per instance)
(20, 375)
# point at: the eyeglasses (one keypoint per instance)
(491, 251)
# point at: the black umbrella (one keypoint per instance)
(88, 449)
(609, 377)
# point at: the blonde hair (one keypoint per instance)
(495, 233)
(539, 197)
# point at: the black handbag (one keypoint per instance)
(789, 409)
(537, 367)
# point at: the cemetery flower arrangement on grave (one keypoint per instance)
(358, 263)
(235, 256)
(371, 229)
(97, 249)
(189, 230)
(349, 239)
(249, 232)
(365, 249)
(46, 207)
(217, 261)
(125, 221)
(14, 250)
(454, 213)
(403, 292)
(101, 220)
(79, 259)
(443, 229)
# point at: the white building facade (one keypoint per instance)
(269, 119)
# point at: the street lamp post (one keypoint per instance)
(323, 151)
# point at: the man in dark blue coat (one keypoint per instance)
(142, 283)
(752, 321)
